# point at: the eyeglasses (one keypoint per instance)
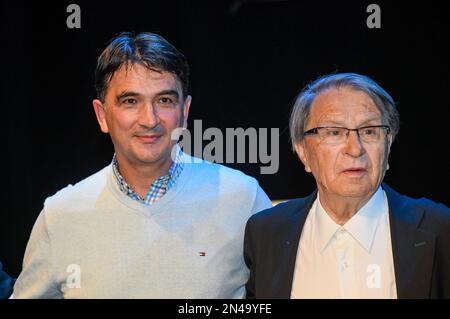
(337, 135)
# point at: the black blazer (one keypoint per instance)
(420, 235)
(6, 284)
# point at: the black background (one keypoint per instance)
(248, 62)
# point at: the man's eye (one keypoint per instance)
(129, 101)
(334, 132)
(369, 131)
(165, 100)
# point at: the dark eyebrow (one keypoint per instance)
(169, 92)
(126, 94)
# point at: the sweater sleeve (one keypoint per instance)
(36, 279)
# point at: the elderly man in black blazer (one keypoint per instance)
(6, 284)
(354, 237)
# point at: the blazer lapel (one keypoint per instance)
(412, 248)
(291, 232)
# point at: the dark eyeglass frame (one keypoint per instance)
(314, 130)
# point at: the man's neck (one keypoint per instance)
(340, 208)
(141, 175)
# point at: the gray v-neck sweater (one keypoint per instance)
(93, 241)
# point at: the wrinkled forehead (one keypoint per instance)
(343, 106)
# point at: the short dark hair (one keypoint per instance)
(148, 49)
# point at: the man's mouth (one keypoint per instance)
(149, 139)
(354, 171)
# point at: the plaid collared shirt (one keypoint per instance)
(158, 188)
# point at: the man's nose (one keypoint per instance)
(353, 146)
(148, 116)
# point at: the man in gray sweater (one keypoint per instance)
(155, 223)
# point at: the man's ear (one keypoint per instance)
(186, 106)
(99, 109)
(301, 152)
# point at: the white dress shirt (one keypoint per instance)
(350, 261)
